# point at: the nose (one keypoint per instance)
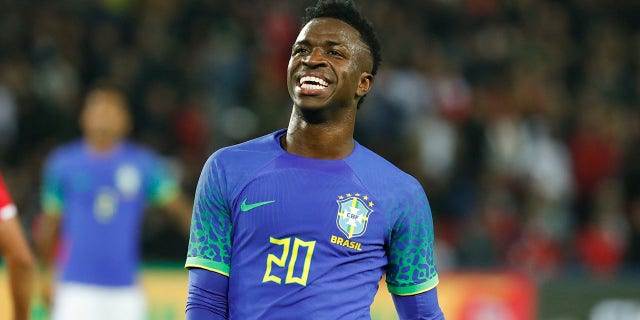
(315, 58)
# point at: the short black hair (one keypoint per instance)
(105, 85)
(347, 11)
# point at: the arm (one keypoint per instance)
(411, 273)
(20, 263)
(180, 210)
(421, 306)
(207, 296)
(209, 251)
(47, 225)
(164, 192)
(46, 237)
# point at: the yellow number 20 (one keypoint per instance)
(281, 261)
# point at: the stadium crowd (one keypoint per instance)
(521, 118)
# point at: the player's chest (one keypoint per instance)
(125, 178)
(333, 209)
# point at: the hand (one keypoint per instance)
(47, 285)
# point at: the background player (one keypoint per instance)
(17, 255)
(95, 192)
(302, 223)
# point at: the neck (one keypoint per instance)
(101, 147)
(315, 135)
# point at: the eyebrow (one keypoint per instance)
(328, 43)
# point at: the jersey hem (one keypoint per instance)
(414, 289)
(217, 267)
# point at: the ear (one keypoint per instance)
(366, 81)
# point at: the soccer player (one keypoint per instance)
(17, 254)
(302, 223)
(95, 192)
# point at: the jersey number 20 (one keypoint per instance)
(281, 261)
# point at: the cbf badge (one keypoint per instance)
(128, 180)
(353, 214)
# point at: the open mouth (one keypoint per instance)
(313, 83)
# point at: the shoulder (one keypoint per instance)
(65, 153)
(137, 149)
(141, 155)
(233, 166)
(383, 178)
(247, 154)
(70, 148)
(261, 146)
(237, 162)
(376, 168)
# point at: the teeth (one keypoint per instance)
(311, 86)
(317, 82)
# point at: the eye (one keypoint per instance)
(299, 50)
(335, 53)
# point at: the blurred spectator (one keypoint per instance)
(602, 242)
(8, 120)
(631, 192)
(595, 156)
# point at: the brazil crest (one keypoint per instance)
(353, 214)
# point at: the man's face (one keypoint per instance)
(105, 119)
(329, 67)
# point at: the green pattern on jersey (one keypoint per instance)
(210, 240)
(411, 266)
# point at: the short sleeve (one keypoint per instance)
(52, 197)
(411, 269)
(7, 208)
(210, 238)
(162, 187)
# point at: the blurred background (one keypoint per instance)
(521, 118)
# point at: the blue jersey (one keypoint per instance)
(303, 238)
(102, 198)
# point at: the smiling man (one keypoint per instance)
(303, 223)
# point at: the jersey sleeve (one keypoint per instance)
(210, 238)
(161, 187)
(7, 208)
(411, 269)
(52, 199)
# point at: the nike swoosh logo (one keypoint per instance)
(246, 207)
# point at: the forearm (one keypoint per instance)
(45, 238)
(207, 295)
(21, 275)
(422, 306)
(20, 266)
(180, 209)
